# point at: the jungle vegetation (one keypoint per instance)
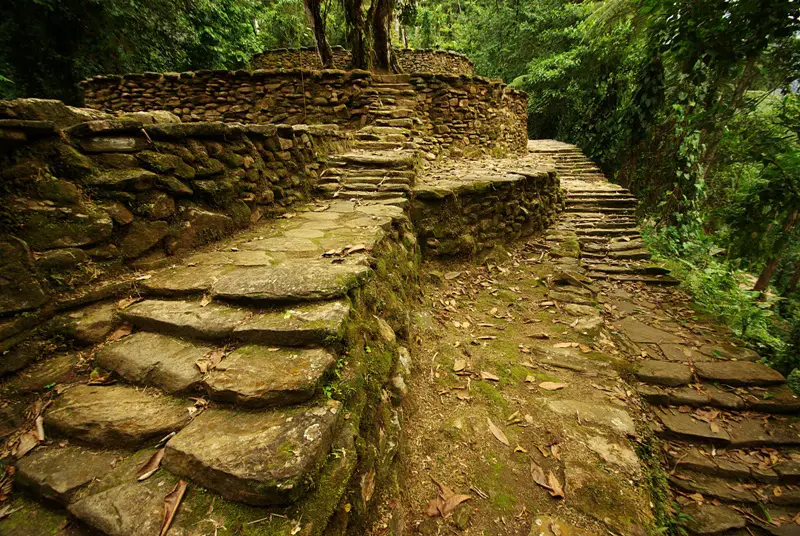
(693, 104)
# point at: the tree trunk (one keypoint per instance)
(356, 33)
(380, 18)
(317, 23)
(772, 264)
(794, 280)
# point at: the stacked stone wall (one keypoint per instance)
(466, 116)
(276, 96)
(410, 60)
(467, 216)
(86, 201)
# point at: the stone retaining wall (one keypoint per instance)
(466, 116)
(276, 96)
(410, 60)
(475, 213)
(84, 201)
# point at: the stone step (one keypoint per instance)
(366, 179)
(302, 325)
(599, 208)
(735, 463)
(341, 172)
(381, 137)
(394, 112)
(646, 279)
(738, 373)
(599, 191)
(598, 194)
(309, 280)
(732, 490)
(384, 131)
(608, 224)
(608, 202)
(608, 232)
(707, 519)
(115, 415)
(633, 254)
(250, 376)
(356, 185)
(383, 79)
(746, 432)
(390, 160)
(614, 246)
(778, 399)
(380, 145)
(259, 458)
(382, 91)
(361, 194)
(399, 123)
(627, 269)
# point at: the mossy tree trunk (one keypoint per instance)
(317, 23)
(380, 17)
(357, 33)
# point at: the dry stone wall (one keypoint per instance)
(286, 97)
(410, 60)
(470, 214)
(467, 116)
(84, 201)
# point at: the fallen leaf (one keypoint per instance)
(555, 486)
(565, 345)
(556, 450)
(367, 486)
(520, 449)
(7, 483)
(171, 503)
(498, 433)
(100, 377)
(152, 465)
(127, 302)
(451, 275)
(205, 300)
(123, 331)
(488, 376)
(447, 507)
(459, 365)
(432, 510)
(552, 386)
(537, 473)
(27, 442)
(530, 378)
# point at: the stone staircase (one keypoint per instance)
(569, 160)
(246, 364)
(384, 160)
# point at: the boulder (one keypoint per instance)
(20, 290)
(142, 236)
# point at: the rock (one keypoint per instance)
(89, 325)
(639, 332)
(385, 331)
(711, 519)
(152, 359)
(52, 227)
(186, 318)
(607, 416)
(755, 432)
(738, 373)
(579, 310)
(184, 280)
(615, 454)
(316, 323)
(663, 373)
(199, 227)
(569, 297)
(261, 458)
(19, 288)
(681, 425)
(113, 144)
(60, 114)
(56, 473)
(154, 205)
(15, 355)
(41, 375)
(124, 179)
(681, 353)
(295, 281)
(60, 259)
(710, 486)
(115, 415)
(729, 351)
(142, 236)
(257, 376)
(173, 185)
(588, 325)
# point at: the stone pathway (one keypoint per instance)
(225, 367)
(729, 423)
(383, 163)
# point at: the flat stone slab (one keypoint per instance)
(56, 473)
(314, 323)
(776, 399)
(681, 353)
(709, 486)
(257, 376)
(154, 359)
(684, 426)
(115, 415)
(728, 351)
(42, 374)
(751, 432)
(664, 373)
(602, 415)
(738, 373)
(261, 458)
(186, 318)
(184, 280)
(291, 282)
(708, 519)
(640, 332)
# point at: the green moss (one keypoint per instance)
(490, 393)
(505, 502)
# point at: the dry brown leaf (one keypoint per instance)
(446, 507)
(432, 510)
(565, 345)
(152, 465)
(459, 365)
(556, 450)
(498, 433)
(171, 503)
(205, 300)
(555, 486)
(367, 486)
(552, 386)
(488, 376)
(7, 483)
(530, 378)
(27, 442)
(127, 302)
(537, 473)
(123, 331)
